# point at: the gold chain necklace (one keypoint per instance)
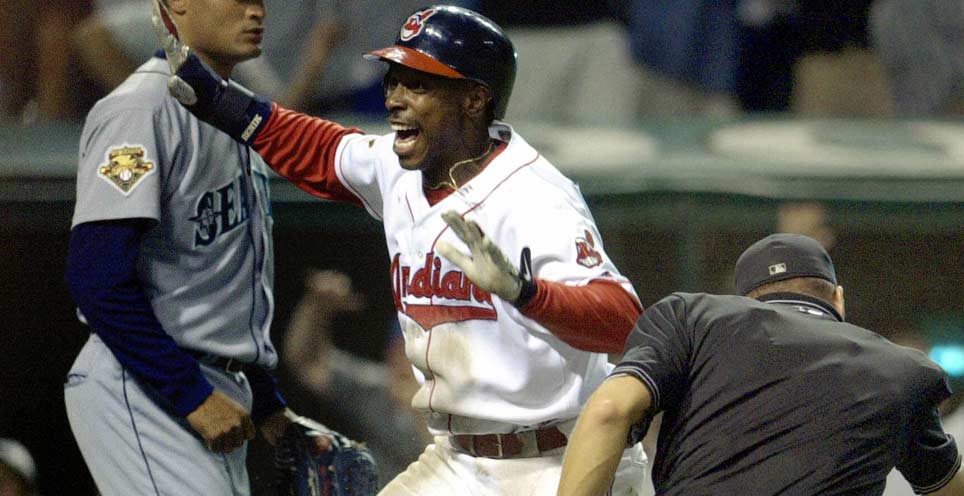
(454, 185)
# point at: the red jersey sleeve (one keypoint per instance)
(595, 317)
(302, 149)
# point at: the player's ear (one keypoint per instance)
(178, 7)
(476, 100)
(838, 301)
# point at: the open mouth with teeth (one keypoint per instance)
(405, 138)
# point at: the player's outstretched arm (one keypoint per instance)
(600, 436)
(299, 147)
(223, 104)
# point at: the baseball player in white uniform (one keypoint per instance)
(506, 355)
(170, 264)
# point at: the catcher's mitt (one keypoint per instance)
(305, 469)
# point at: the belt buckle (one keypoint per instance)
(498, 443)
(530, 444)
(470, 449)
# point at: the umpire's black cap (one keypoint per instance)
(782, 256)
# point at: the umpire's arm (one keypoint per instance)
(598, 441)
(953, 488)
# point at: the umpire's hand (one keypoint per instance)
(224, 424)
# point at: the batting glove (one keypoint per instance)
(225, 105)
(486, 266)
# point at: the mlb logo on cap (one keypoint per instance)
(782, 256)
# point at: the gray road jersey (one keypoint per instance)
(207, 266)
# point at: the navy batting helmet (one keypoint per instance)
(456, 43)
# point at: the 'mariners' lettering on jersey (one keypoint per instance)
(449, 297)
(219, 211)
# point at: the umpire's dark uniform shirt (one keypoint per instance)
(782, 397)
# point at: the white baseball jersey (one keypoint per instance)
(484, 367)
(207, 265)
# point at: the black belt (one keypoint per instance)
(230, 365)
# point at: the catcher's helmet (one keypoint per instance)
(457, 43)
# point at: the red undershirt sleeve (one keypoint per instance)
(595, 317)
(302, 149)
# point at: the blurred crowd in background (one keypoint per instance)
(610, 62)
(579, 61)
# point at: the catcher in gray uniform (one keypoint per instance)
(170, 264)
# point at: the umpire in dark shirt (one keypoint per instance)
(768, 393)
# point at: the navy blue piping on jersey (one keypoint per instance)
(227, 471)
(137, 435)
(102, 277)
(253, 209)
(267, 399)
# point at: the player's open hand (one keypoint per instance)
(176, 51)
(192, 82)
(224, 424)
(486, 266)
(166, 31)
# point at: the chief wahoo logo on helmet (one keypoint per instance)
(415, 24)
(456, 43)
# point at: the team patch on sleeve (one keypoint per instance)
(125, 167)
(586, 253)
